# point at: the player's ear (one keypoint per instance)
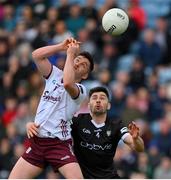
(108, 106)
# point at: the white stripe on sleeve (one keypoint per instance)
(125, 135)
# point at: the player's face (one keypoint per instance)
(81, 66)
(99, 103)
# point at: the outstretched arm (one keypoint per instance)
(40, 55)
(134, 141)
(69, 72)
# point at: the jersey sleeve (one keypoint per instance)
(82, 94)
(54, 74)
(123, 131)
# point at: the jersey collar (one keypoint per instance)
(98, 125)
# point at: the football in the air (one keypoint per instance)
(115, 21)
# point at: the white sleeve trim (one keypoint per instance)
(125, 135)
(82, 94)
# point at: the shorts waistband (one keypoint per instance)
(48, 141)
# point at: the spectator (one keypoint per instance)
(52, 16)
(162, 140)
(89, 10)
(142, 100)
(43, 36)
(163, 38)
(109, 57)
(131, 112)
(21, 119)
(137, 75)
(4, 54)
(149, 51)
(87, 43)
(8, 21)
(10, 110)
(64, 9)
(61, 32)
(5, 156)
(75, 20)
(118, 100)
(157, 101)
(137, 13)
(144, 166)
(164, 169)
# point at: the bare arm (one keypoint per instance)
(69, 73)
(40, 55)
(134, 141)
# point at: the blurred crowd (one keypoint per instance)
(135, 67)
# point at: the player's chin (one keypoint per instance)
(99, 112)
(98, 109)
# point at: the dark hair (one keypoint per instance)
(89, 57)
(99, 89)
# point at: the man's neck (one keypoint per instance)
(99, 118)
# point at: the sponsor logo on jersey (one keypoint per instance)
(49, 98)
(86, 131)
(96, 147)
(54, 81)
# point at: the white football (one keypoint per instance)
(115, 21)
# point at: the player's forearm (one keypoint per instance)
(69, 73)
(138, 144)
(44, 52)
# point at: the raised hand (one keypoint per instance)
(73, 48)
(67, 42)
(31, 129)
(134, 130)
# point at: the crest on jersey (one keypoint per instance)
(108, 132)
(54, 81)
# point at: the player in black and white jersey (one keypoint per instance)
(60, 100)
(96, 137)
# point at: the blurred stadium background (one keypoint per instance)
(136, 68)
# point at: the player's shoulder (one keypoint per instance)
(117, 126)
(55, 74)
(56, 69)
(114, 121)
(82, 119)
(84, 116)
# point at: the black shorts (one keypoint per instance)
(49, 151)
